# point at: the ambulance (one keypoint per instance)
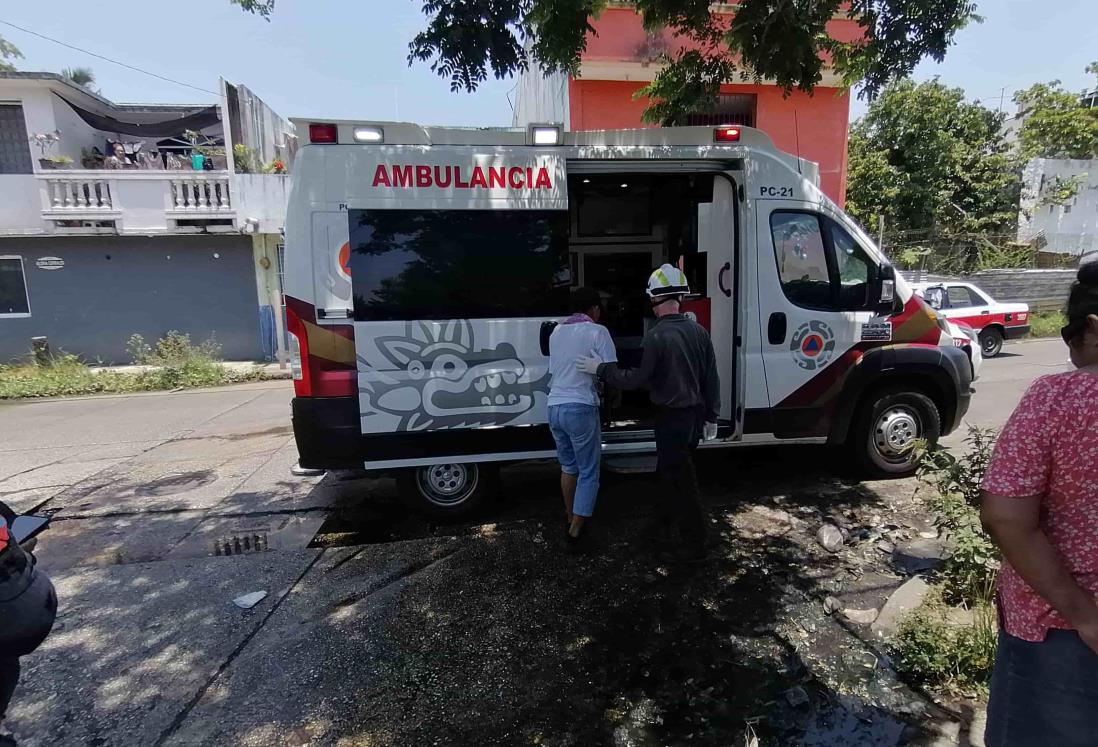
(426, 267)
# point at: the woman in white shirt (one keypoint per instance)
(574, 406)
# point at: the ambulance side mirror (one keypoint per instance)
(886, 290)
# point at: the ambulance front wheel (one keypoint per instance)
(889, 428)
(447, 492)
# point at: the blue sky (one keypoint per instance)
(347, 59)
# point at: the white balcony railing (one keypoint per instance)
(135, 200)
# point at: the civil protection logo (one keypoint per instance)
(813, 345)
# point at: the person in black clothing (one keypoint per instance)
(679, 369)
(28, 606)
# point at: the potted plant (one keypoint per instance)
(201, 154)
(90, 158)
(277, 166)
(46, 142)
(56, 162)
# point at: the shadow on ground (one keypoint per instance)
(484, 633)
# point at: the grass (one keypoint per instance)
(176, 363)
(1046, 323)
(938, 651)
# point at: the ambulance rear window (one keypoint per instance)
(458, 264)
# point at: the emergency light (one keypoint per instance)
(323, 133)
(369, 134)
(544, 134)
(726, 134)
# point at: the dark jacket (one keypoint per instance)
(678, 368)
(28, 604)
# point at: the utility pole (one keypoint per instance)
(1002, 95)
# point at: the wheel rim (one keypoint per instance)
(991, 344)
(896, 432)
(447, 485)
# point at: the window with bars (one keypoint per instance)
(15, 154)
(731, 109)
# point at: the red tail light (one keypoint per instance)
(323, 133)
(726, 134)
(316, 375)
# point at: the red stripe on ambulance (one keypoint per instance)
(479, 177)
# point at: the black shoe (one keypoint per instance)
(580, 545)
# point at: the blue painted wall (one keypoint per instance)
(112, 287)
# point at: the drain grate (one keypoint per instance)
(241, 544)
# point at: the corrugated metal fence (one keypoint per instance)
(1043, 290)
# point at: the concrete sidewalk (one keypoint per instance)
(270, 370)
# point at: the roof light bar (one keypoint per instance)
(369, 134)
(726, 134)
(545, 134)
(323, 133)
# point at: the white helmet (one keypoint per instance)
(667, 282)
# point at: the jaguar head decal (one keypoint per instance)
(436, 376)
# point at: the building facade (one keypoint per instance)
(122, 219)
(621, 58)
(1058, 209)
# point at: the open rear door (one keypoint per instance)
(717, 239)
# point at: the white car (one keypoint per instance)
(964, 303)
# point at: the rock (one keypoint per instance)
(831, 605)
(918, 555)
(886, 547)
(930, 534)
(830, 537)
(248, 601)
(796, 696)
(860, 617)
(903, 600)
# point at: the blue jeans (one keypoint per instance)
(1043, 693)
(578, 436)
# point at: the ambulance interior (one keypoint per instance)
(622, 227)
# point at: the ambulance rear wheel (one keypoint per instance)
(888, 429)
(448, 491)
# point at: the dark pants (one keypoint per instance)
(9, 677)
(678, 431)
(1043, 693)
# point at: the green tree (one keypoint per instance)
(785, 41)
(8, 51)
(1055, 124)
(925, 158)
(81, 76)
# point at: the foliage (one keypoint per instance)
(245, 159)
(276, 166)
(1060, 190)
(8, 51)
(173, 362)
(202, 144)
(926, 159)
(936, 652)
(81, 76)
(466, 40)
(1055, 123)
(63, 160)
(1046, 323)
(968, 575)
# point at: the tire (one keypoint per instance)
(887, 428)
(991, 342)
(447, 492)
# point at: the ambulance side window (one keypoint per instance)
(802, 259)
(854, 270)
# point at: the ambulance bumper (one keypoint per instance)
(327, 432)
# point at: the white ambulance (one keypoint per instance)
(426, 267)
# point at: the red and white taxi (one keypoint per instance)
(964, 303)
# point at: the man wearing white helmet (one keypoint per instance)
(679, 370)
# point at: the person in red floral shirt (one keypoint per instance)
(1040, 504)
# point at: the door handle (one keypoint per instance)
(775, 328)
(720, 280)
(543, 337)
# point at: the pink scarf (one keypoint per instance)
(577, 319)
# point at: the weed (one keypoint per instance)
(936, 651)
(968, 576)
(174, 363)
(1046, 323)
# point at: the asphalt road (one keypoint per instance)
(168, 506)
